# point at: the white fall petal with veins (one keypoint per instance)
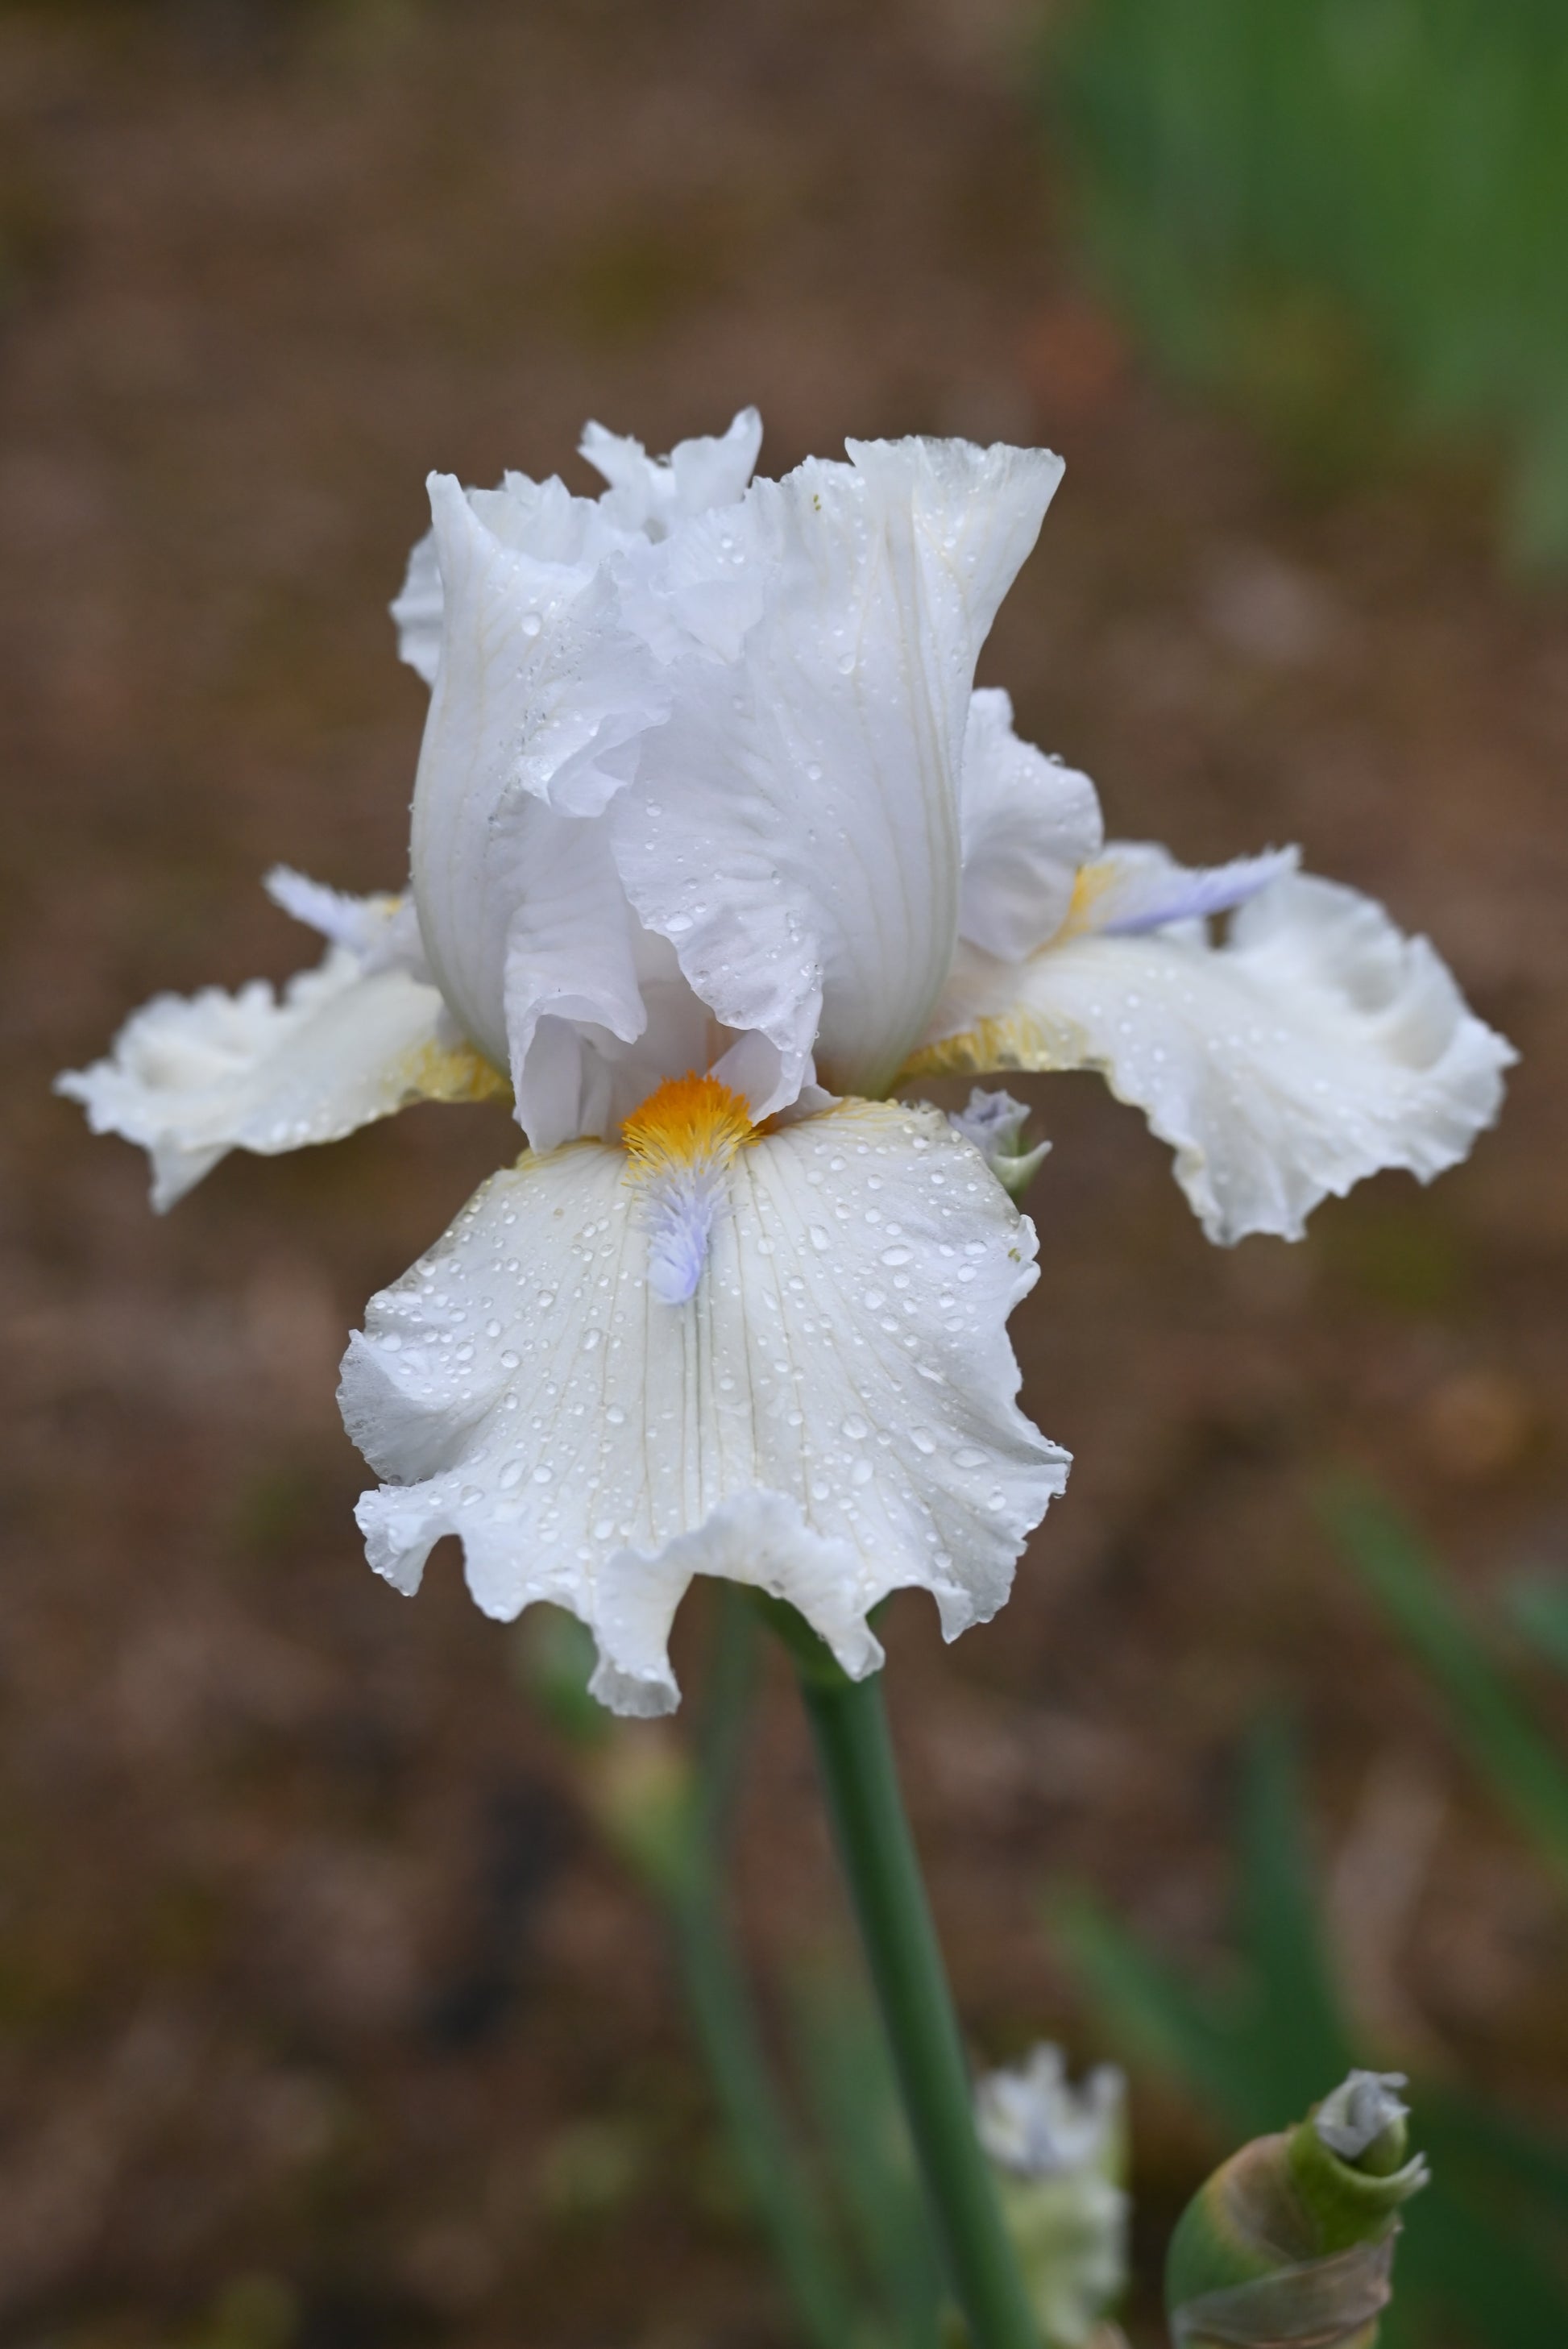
(1312, 1046)
(715, 845)
(831, 1416)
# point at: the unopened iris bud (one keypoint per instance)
(1059, 2153)
(995, 1123)
(1291, 2239)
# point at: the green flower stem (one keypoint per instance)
(855, 1752)
(721, 2009)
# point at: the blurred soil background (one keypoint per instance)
(325, 2023)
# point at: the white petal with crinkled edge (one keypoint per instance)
(1029, 824)
(540, 696)
(541, 519)
(194, 1077)
(1316, 1046)
(794, 829)
(645, 497)
(651, 494)
(416, 610)
(831, 1416)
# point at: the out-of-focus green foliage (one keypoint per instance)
(1489, 1715)
(1350, 215)
(840, 2200)
(1484, 2253)
(842, 2058)
(1539, 1605)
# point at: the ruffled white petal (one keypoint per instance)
(832, 1416)
(794, 829)
(1029, 824)
(651, 494)
(647, 495)
(417, 610)
(540, 698)
(541, 519)
(1317, 1045)
(194, 1077)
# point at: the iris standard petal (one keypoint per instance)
(651, 494)
(646, 496)
(540, 519)
(831, 1414)
(1317, 1045)
(570, 954)
(540, 697)
(794, 829)
(194, 1077)
(1029, 824)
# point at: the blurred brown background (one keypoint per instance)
(310, 1969)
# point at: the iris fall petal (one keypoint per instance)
(832, 1416)
(1313, 1046)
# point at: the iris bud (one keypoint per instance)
(1291, 2239)
(995, 1123)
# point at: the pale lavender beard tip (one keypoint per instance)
(679, 1214)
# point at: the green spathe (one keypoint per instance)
(1293, 2241)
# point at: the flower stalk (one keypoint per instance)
(849, 1725)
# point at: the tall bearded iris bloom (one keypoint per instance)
(716, 847)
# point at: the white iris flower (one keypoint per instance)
(715, 845)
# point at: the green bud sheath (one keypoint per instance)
(1291, 2242)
